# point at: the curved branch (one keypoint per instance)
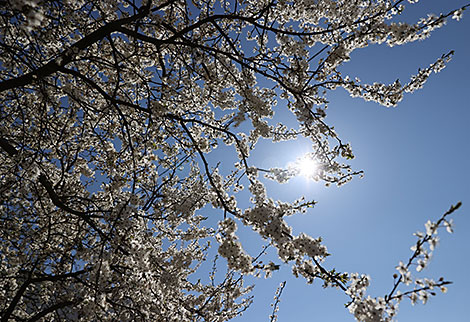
(55, 198)
(51, 309)
(67, 55)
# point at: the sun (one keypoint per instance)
(307, 166)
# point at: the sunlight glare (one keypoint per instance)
(307, 167)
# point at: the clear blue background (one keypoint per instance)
(415, 159)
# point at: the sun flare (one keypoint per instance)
(307, 167)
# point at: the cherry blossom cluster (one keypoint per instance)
(231, 249)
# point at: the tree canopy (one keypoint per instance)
(109, 111)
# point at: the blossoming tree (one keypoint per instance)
(108, 112)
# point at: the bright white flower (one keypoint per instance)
(423, 296)
(407, 278)
(402, 268)
(458, 14)
(421, 265)
(449, 225)
(430, 228)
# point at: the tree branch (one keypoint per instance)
(67, 55)
(51, 309)
(55, 198)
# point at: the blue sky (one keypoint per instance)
(415, 159)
